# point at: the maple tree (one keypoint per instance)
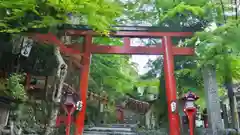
(20, 15)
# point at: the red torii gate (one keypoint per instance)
(167, 49)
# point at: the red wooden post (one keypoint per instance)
(28, 81)
(84, 74)
(171, 92)
(68, 123)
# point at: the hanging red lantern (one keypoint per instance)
(120, 114)
(69, 105)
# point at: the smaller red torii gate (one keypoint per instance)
(167, 49)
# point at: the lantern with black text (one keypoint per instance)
(190, 109)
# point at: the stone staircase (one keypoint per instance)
(109, 131)
(121, 129)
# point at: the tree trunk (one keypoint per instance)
(229, 86)
(213, 100)
(148, 119)
(59, 77)
(232, 104)
(57, 93)
(50, 127)
(225, 116)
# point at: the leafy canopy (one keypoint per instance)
(20, 15)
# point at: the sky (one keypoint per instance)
(142, 60)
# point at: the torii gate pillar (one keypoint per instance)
(171, 91)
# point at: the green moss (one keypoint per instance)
(15, 87)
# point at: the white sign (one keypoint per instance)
(173, 106)
(27, 46)
(79, 105)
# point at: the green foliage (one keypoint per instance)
(160, 11)
(31, 117)
(147, 83)
(108, 41)
(25, 14)
(113, 74)
(15, 87)
(219, 47)
(184, 10)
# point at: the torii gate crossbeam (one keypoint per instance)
(167, 49)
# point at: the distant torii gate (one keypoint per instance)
(167, 49)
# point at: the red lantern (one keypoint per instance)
(120, 114)
(190, 109)
(69, 105)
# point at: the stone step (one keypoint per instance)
(108, 133)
